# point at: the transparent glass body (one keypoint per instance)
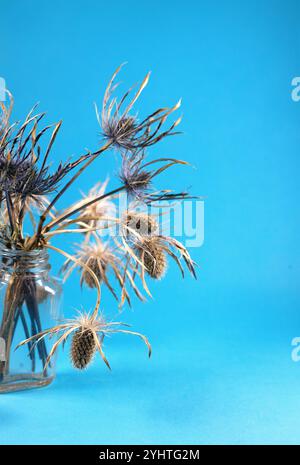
(30, 302)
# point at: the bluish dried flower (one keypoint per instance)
(137, 177)
(125, 131)
(20, 154)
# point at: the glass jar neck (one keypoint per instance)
(33, 262)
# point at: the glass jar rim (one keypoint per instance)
(23, 260)
(38, 252)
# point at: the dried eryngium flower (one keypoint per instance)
(100, 258)
(139, 223)
(125, 131)
(137, 177)
(20, 153)
(152, 251)
(96, 214)
(97, 257)
(83, 348)
(88, 333)
(132, 174)
(154, 258)
(97, 264)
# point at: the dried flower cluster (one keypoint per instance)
(122, 262)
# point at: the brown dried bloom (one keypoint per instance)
(139, 223)
(101, 259)
(88, 333)
(98, 213)
(83, 348)
(154, 258)
(152, 251)
(137, 175)
(125, 131)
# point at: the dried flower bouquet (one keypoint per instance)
(139, 249)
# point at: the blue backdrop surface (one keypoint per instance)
(221, 370)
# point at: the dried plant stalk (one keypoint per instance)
(26, 181)
(20, 297)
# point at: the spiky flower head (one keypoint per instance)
(96, 256)
(97, 213)
(153, 250)
(137, 177)
(88, 332)
(23, 171)
(153, 256)
(97, 262)
(139, 223)
(123, 129)
(105, 262)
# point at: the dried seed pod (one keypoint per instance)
(93, 264)
(154, 258)
(88, 331)
(94, 215)
(142, 223)
(126, 131)
(83, 348)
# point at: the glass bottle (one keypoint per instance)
(29, 303)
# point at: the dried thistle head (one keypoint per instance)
(96, 256)
(137, 177)
(97, 262)
(88, 333)
(153, 257)
(98, 212)
(153, 250)
(139, 223)
(124, 130)
(23, 171)
(105, 262)
(83, 348)
(119, 130)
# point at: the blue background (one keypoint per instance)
(221, 370)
